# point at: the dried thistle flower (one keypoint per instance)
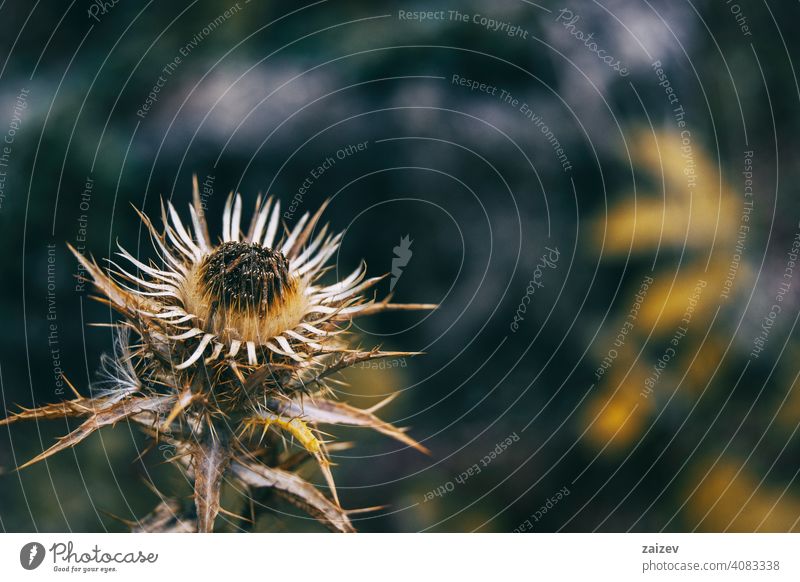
(234, 348)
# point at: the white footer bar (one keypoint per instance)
(401, 557)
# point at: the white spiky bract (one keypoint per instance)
(235, 344)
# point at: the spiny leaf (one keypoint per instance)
(68, 408)
(320, 410)
(351, 358)
(305, 436)
(295, 460)
(386, 306)
(165, 518)
(104, 417)
(210, 459)
(295, 490)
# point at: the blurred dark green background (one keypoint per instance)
(265, 92)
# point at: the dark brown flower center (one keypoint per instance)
(246, 276)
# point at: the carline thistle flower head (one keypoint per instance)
(224, 350)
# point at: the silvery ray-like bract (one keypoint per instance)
(226, 349)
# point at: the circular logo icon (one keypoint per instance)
(31, 555)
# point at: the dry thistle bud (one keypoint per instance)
(231, 347)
